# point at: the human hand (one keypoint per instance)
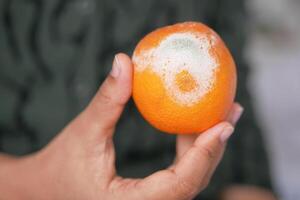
(80, 162)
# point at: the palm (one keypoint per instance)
(80, 162)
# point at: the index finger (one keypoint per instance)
(189, 175)
(200, 160)
(184, 142)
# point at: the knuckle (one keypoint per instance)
(205, 183)
(185, 189)
(208, 152)
(104, 98)
(108, 98)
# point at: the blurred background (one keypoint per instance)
(55, 53)
(273, 52)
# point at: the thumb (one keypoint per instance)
(103, 112)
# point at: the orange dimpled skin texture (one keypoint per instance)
(184, 78)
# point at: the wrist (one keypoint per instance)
(20, 177)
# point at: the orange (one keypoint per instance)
(184, 78)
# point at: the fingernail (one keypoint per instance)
(236, 116)
(226, 133)
(116, 69)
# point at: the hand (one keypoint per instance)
(80, 162)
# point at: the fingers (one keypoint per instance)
(103, 112)
(184, 142)
(204, 155)
(235, 113)
(189, 175)
(233, 117)
(197, 158)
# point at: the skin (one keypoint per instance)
(80, 162)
